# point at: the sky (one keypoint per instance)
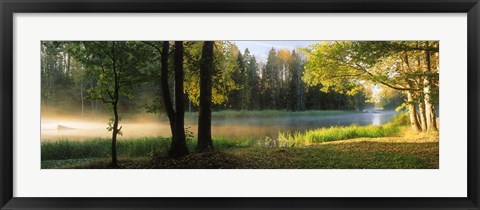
(260, 48)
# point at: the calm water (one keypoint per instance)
(237, 127)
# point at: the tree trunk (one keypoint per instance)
(421, 104)
(114, 136)
(178, 147)
(115, 110)
(423, 120)
(165, 88)
(115, 128)
(204, 117)
(413, 112)
(429, 108)
(431, 117)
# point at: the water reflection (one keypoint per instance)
(376, 120)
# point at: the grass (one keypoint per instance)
(335, 133)
(376, 153)
(139, 147)
(100, 148)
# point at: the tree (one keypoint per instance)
(117, 66)
(178, 146)
(341, 66)
(164, 52)
(236, 98)
(175, 114)
(252, 81)
(224, 64)
(204, 117)
(296, 95)
(283, 78)
(56, 74)
(390, 99)
(165, 87)
(428, 86)
(270, 84)
(79, 80)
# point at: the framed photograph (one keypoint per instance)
(239, 105)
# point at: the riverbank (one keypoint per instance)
(390, 146)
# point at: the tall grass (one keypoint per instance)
(99, 148)
(335, 133)
(138, 147)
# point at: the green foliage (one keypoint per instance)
(240, 82)
(340, 133)
(391, 99)
(342, 65)
(327, 64)
(270, 82)
(400, 119)
(225, 62)
(114, 65)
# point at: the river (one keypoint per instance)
(254, 127)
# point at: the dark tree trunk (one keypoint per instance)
(205, 113)
(114, 136)
(115, 128)
(165, 88)
(178, 147)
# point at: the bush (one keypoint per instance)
(401, 119)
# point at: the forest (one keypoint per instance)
(216, 104)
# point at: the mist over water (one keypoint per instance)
(81, 128)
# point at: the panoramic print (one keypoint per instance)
(240, 104)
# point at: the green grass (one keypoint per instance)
(335, 133)
(99, 148)
(383, 153)
(138, 147)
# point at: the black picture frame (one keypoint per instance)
(9, 7)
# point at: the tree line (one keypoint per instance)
(241, 82)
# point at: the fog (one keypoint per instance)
(56, 126)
